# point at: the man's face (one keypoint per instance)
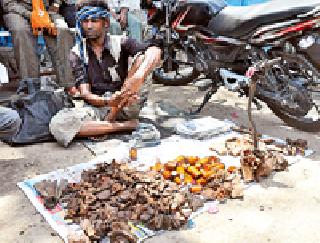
(94, 28)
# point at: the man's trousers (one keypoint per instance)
(25, 49)
(135, 25)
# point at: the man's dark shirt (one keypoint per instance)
(99, 76)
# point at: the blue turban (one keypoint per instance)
(87, 12)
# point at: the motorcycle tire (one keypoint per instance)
(161, 75)
(159, 78)
(296, 119)
(307, 125)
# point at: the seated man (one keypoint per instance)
(109, 90)
(17, 15)
(127, 15)
(9, 122)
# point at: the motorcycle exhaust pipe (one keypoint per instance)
(232, 80)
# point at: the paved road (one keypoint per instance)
(290, 200)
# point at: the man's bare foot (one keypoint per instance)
(100, 128)
(131, 123)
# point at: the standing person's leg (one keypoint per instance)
(59, 48)
(134, 27)
(24, 46)
(115, 28)
(9, 122)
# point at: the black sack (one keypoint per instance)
(36, 111)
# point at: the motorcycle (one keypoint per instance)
(210, 39)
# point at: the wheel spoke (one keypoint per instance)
(178, 66)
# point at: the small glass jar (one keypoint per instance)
(133, 153)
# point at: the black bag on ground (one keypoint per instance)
(36, 110)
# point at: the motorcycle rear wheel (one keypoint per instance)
(306, 117)
(301, 123)
(179, 72)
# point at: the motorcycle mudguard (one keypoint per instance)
(201, 11)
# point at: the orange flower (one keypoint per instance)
(201, 181)
(207, 174)
(180, 159)
(191, 169)
(188, 179)
(158, 166)
(232, 169)
(220, 166)
(153, 168)
(177, 180)
(170, 165)
(166, 174)
(180, 170)
(213, 159)
(195, 188)
(186, 166)
(198, 165)
(192, 159)
(207, 167)
(205, 160)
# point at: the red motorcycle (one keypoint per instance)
(222, 42)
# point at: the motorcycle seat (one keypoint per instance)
(236, 22)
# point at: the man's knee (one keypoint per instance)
(10, 122)
(15, 121)
(66, 124)
(12, 118)
(155, 54)
(139, 59)
(151, 57)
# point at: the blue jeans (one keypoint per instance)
(9, 122)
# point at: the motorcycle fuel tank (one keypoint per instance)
(201, 11)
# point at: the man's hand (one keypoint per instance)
(122, 99)
(132, 85)
(92, 99)
(118, 101)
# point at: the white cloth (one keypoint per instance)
(4, 77)
(117, 4)
(202, 128)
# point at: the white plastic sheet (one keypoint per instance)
(168, 150)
